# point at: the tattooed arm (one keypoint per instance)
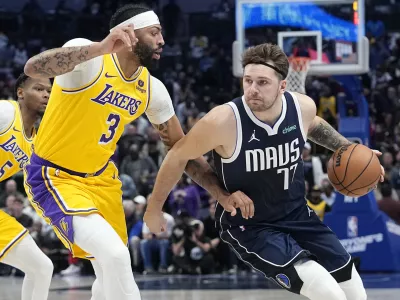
(59, 61)
(321, 133)
(318, 130)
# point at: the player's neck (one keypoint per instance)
(29, 118)
(128, 65)
(271, 115)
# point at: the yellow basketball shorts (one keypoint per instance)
(57, 196)
(11, 233)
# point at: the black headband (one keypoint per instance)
(274, 68)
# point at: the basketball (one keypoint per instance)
(354, 170)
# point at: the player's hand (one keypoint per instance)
(120, 38)
(155, 221)
(378, 153)
(238, 200)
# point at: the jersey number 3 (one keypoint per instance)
(113, 122)
(286, 172)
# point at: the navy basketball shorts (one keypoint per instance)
(274, 248)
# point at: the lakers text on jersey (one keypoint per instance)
(15, 149)
(70, 172)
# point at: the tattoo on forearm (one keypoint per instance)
(204, 176)
(326, 136)
(163, 132)
(59, 61)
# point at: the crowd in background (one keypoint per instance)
(196, 67)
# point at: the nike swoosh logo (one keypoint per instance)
(109, 76)
(15, 129)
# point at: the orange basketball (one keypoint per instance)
(354, 170)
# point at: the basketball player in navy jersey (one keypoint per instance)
(257, 141)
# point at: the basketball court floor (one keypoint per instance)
(213, 287)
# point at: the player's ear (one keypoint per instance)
(283, 86)
(20, 93)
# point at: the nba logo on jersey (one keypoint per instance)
(352, 226)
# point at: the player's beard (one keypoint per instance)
(265, 105)
(145, 54)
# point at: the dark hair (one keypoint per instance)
(20, 83)
(127, 11)
(267, 54)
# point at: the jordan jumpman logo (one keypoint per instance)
(253, 137)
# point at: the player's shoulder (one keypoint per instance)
(221, 116)
(7, 114)
(157, 85)
(78, 42)
(306, 103)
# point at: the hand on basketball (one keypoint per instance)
(155, 221)
(120, 38)
(238, 200)
(378, 153)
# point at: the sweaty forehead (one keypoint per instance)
(258, 70)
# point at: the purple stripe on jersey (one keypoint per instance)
(46, 202)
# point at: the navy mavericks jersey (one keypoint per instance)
(266, 165)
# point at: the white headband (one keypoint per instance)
(146, 19)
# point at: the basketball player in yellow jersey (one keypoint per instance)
(98, 89)
(17, 248)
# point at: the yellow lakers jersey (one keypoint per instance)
(319, 209)
(81, 127)
(327, 103)
(15, 146)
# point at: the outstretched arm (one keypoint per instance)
(58, 61)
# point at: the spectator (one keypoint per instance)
(10, 189)
(198, 44)
(319, 206)
(328, 194)
(185, 196)
(191, 248)
(313, 172)
(138, 166)
(135, 231)
(129, 210)
(128, 187)
(156, 243)
(223, 255)
(16, 212)
(387, 204)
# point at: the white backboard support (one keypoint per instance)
(288, 12)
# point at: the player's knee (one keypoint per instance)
(117, 257)
(46, 267)
(317, 282)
